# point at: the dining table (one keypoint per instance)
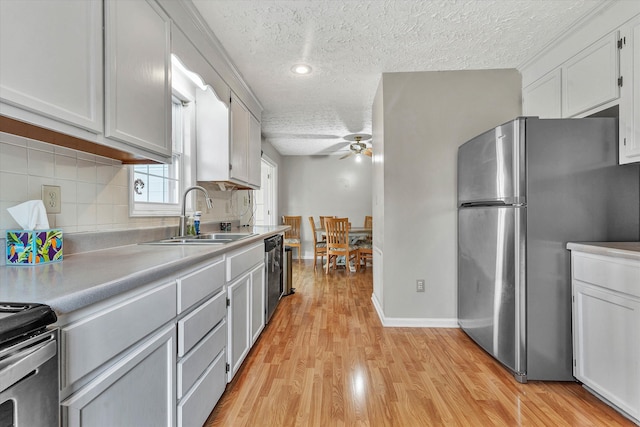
(355, 233)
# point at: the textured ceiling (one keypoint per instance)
(350, 43)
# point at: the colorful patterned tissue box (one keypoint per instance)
(30, 247)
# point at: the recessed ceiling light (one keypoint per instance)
(301, 69)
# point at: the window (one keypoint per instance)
(156, 188)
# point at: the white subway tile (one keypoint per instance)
(40, 163)
(87, 192)
(13, 158)
(66, 167)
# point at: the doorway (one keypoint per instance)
(266, 197)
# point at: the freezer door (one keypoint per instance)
(491, 166)
(491, 281)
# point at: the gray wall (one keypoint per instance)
(425, 117)
(324, 185)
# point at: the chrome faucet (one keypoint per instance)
(183, 217)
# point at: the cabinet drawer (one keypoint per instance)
(197, 285)
(617, 274)
(242, 260)
(195, 325)
(195, 363)
(96, 339)
(194, 409)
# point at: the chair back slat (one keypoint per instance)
(337, 233)
(294, 223)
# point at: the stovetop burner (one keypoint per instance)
(21, 319)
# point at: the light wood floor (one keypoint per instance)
(326, 360)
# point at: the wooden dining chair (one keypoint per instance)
(292, 236)
(319, 248)
(365, 245)
(337, 231)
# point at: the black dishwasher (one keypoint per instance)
(273, 264)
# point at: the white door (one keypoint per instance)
(265, 200)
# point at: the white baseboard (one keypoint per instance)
(406, 322)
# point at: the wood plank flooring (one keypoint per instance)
(326, 360)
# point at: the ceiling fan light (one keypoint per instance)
(301, 69)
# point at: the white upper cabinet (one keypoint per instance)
(51, 61)
(630, 93)
(255, 152)
(229, 141)
(212, 136)
(239, 167)
(138, 75)
(590, 78)
(543, 98)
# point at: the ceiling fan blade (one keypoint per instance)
(346, 155)
(368, 152)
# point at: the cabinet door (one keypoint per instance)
(590, 78)
(543, 98)
(51, 59)
(239, 140)
(138, 390)
(630, 93)
(212, 116)
(258, 301)
(255, 152)
(137, 75)
(238, 320)
(606, 345)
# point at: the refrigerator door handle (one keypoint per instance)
(483, 204)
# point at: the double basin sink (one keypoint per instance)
(203, 239)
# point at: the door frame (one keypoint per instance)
(270, 191)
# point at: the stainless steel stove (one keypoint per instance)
(28, 366)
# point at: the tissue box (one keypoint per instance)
(30, 247)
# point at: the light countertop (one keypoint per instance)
(629, 250)
(86, 278)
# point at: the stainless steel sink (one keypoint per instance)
(203, 239)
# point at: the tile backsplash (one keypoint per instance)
(95, 190)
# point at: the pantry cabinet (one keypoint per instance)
(630, 92)
(138, 75)
(51, 61)
(606, 315)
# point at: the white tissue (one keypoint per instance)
(30, 215)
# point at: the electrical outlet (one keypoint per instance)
(51, 197)
(420, 285)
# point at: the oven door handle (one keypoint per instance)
(16, 367)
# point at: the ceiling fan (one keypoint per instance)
(357, 147)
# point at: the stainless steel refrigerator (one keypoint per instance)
(525, 189)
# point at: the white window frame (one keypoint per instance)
(185, 168)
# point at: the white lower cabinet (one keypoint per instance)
(246, 311)
(138, 390)
(238, 319)
(202, 338)
(606, 328)
(258, 301)
(162, 356)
